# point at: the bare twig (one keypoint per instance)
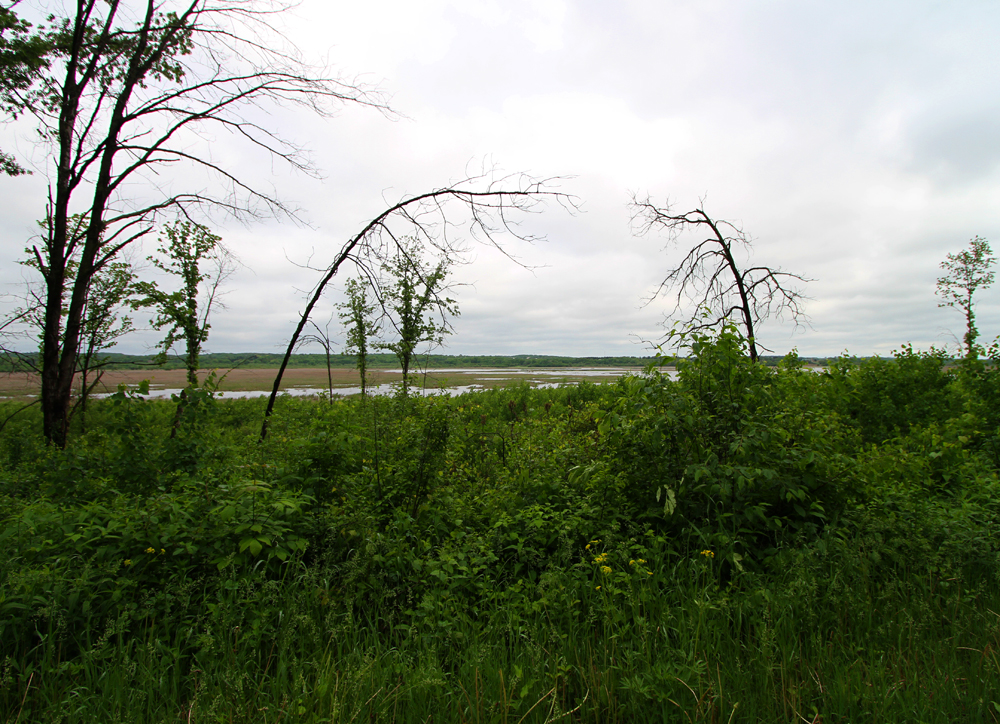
(488, 203)
(127, 106)
(710, 277)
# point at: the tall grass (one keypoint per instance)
(680, 647)
(737, 546)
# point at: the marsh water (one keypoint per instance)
(428, 382)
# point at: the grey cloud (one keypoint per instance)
(957, 148)
(852, 140)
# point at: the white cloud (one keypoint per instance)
(855, 142)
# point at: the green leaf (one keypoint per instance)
(669, 501)
(253, 544)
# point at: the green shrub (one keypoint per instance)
(716, 459)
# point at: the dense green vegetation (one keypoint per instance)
(744, 543)
(260, 360)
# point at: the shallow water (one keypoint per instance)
(386, 389)
(534, 377)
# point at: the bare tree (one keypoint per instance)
(710, 277)
(488, 204)
(126, 99)
(322, 337)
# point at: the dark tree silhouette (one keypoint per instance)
(710, 277)
(127, 97)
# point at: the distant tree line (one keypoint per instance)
(16, 362)
(119, 89)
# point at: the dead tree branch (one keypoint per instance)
(710, 278)
(127, 112)
(488, 204)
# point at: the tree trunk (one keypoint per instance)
(740, 285)
(59, 356)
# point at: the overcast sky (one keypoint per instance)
(857, 142)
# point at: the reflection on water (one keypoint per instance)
(530, 376)
(386, 389)
(507, 371)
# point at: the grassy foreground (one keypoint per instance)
(743, 544)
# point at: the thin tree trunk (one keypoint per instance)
(740, 286)
(329, 375)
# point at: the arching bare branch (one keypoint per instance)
(488, 205)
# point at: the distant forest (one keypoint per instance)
(263, 360)
(258, 360)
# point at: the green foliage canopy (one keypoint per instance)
(187, 246)
(356, 315)
(965, 273)
(416, 307)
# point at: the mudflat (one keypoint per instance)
(26, 385)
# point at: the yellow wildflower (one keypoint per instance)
(598, 588)
(150, 550)
(128, 561)
(162, 551)
(708, 554)
(631, 563)
(605, 570)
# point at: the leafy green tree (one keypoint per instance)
(102, 324)
(356, 314)
(186, 246)
(22, 55)
(965, 273)
(415, 305)
(122, 92)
